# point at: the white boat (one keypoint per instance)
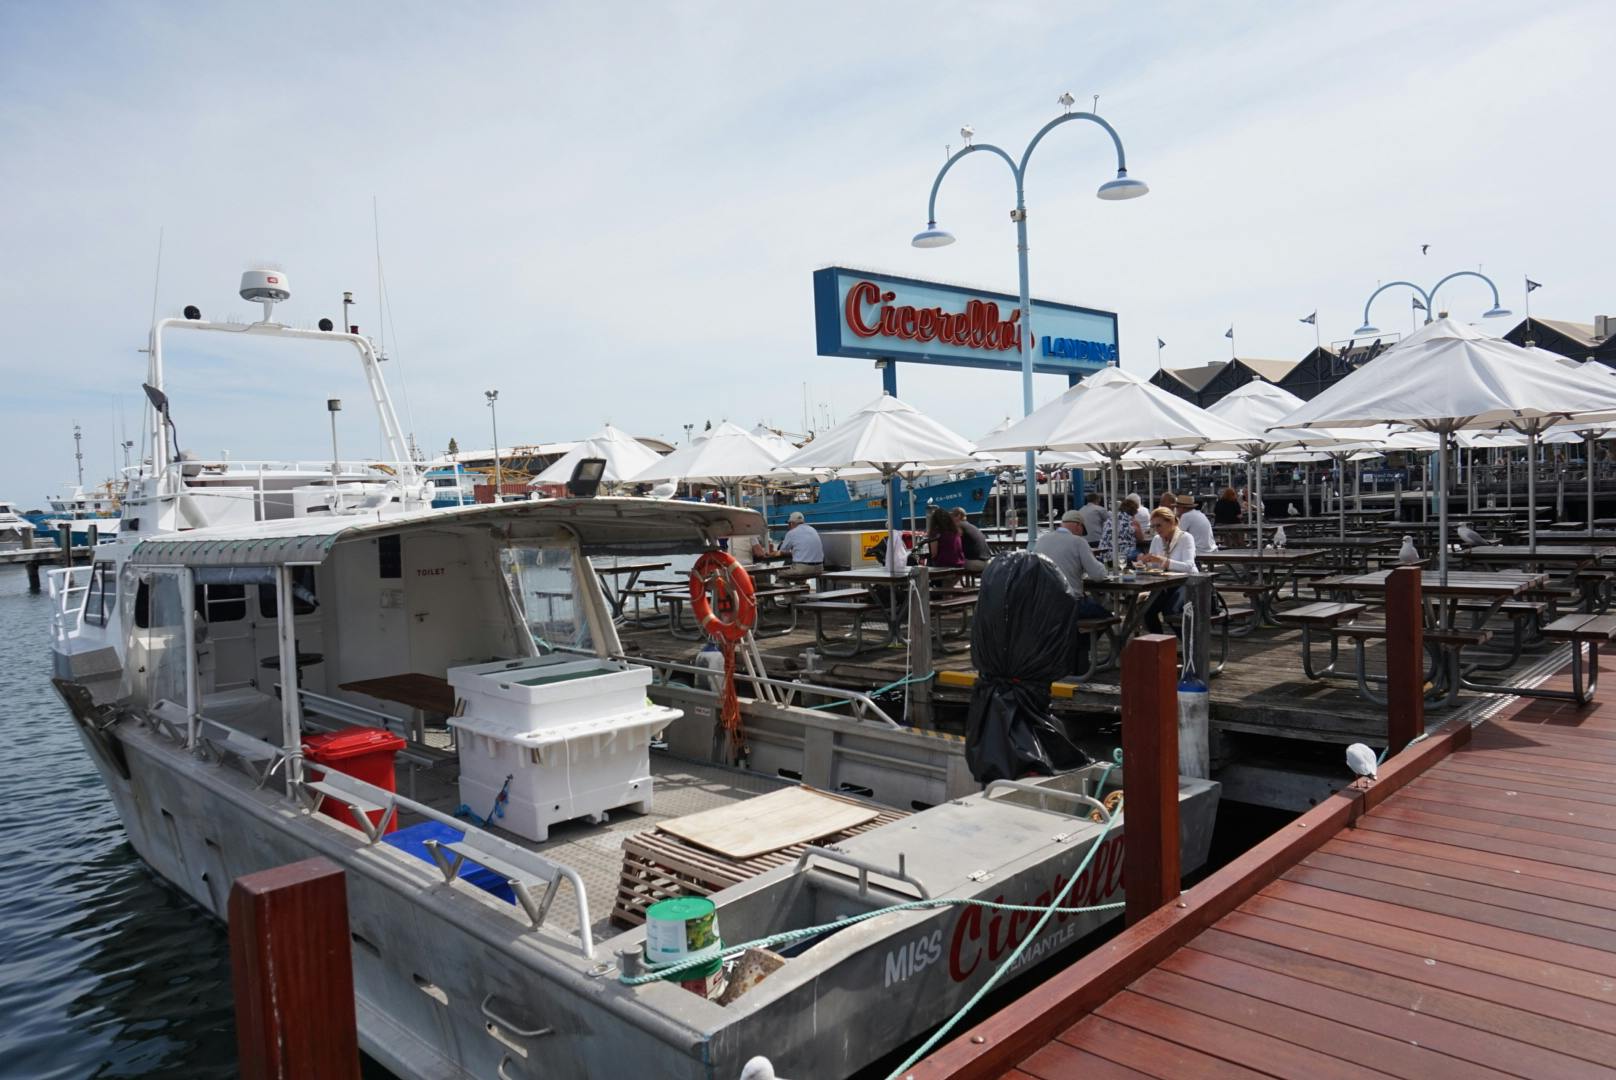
(12, 525)
(199, 659)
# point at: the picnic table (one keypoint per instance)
(1132, 592)
(1249, 564)
(421, 693)
(617, 592)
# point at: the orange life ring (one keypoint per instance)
(732, 590)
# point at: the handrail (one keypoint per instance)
(1043, 793)
(393, 804)
(864, 707)
(865, 869)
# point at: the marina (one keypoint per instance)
(721, 590)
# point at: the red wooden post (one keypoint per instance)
(292, 973)
(1150, 773)
(1405, 658)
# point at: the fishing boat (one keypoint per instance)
(553, 789)
(863, 503)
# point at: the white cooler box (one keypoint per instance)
(573, 734)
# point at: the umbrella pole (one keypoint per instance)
(1588, 453)
(1114, 505)
(1531, 490)
(1341, 498)
(1442, 506)
(1255, 465)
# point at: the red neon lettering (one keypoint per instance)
(906, 323)
(865, 292)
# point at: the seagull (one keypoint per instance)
(759, 1067)
(1424, 248)
(967, 133)
(1471, 538)
(1290, 509)
(1066, 101)
(1361, 760)
(1279, 538)
(1408, 553)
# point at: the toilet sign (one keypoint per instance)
(881, 317)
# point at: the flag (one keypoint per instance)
(1229, 333)
(1160, 344)
(1530, 285)
(1311, 320)
(1417, 305)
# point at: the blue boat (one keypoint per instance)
(865, 502)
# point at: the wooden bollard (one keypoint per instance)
(292, 973)
(1150, 773)
(1405, 659)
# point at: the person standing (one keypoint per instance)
(1172, 550)
(807, 551)
(1192, 521)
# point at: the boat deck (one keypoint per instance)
(596, 851)
(1456, 919)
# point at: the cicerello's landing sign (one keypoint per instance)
(877, 316)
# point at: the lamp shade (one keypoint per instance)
(932, 237)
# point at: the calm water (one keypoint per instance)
(104, 971)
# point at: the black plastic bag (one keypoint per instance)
(1021, 641)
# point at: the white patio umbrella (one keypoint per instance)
(727, 455)
(624, 454)
(1448, 377)
(888, 436)
(1110, 413)
(774, 440)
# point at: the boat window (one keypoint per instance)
(143, 606)
(390, 556)
(543, 582)
(303, 598)
(222, 603)
(92, 600)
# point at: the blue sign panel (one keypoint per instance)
(877, 316)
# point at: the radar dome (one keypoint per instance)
(268, 285)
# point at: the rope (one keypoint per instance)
(709, 954)
(1381, 760)
(907, 680)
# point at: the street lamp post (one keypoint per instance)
(1429, 299)
(1123, 187)
(493, 418)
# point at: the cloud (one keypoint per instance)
(613, 211)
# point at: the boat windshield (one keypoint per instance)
(543, 579)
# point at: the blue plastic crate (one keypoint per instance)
(412, 841)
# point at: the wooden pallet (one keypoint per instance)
(660, 866)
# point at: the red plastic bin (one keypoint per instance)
(362, 753)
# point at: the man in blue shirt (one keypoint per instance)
(807, 551)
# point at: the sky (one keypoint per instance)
(612, 212)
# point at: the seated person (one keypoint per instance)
(1094, 515)
(1070, 552)
(747, 549)
(974, 544)
(1226, 511)
(1173, 550)
(807, 551)
(943, 539)
(1192, 521)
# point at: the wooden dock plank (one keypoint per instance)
(1057, 1061)
(1226, 1041)
(1463, 1044)
(1457, 921)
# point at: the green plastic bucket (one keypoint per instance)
(676, 928)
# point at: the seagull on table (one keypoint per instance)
(1361, 760)
(1471, 538)
(1408, 553)
(1290, 509)
(1279, 538)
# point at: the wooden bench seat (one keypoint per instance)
(1459, 636)
(1322, 613)
(1582, 628)
(1359, 631)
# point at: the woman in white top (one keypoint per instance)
(1172, 549)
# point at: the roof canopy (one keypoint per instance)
(602, 525)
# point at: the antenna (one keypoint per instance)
(157, 276)
(1096, 107)
(78, 450)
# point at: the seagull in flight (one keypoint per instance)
(1424, 248)
(1361, 760)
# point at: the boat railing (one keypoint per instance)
(864, 707)
(66, 587)
(524, 869)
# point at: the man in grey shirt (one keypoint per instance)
(1093, 513)
(1065, 546)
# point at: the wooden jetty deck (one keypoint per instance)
(1457, 918)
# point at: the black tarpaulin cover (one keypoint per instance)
(1021, 641)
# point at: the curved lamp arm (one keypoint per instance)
(1122, 159)
(931, 203)
(1467, 273)
(1423, 295)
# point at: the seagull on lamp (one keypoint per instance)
(1471, 538)
(1408, 553)
(1066, 101)
(1361, 760)
(967, 133)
